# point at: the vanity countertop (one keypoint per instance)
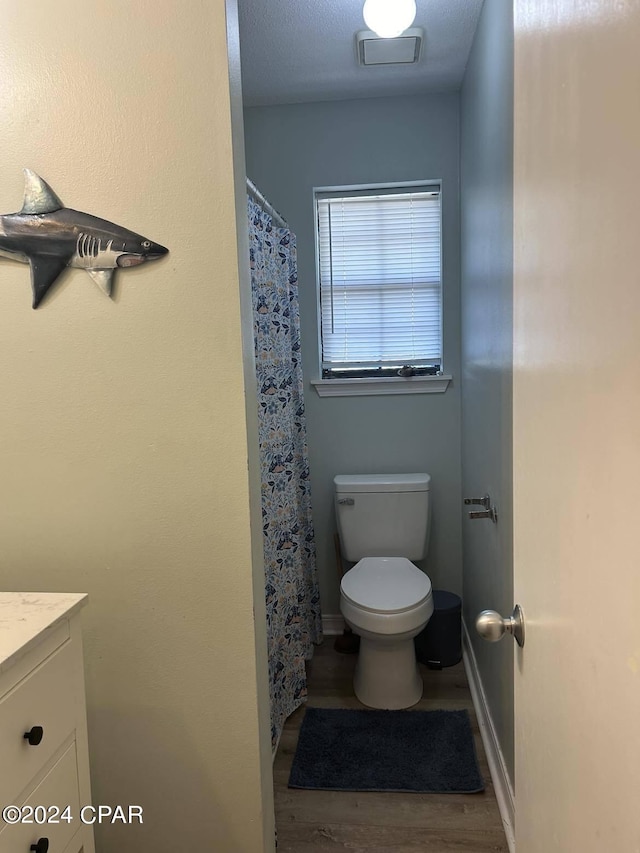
(26, 616)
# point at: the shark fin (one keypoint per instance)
(104, 279)
(45, 269)
(38, 195)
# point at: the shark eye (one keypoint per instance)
(146, 244)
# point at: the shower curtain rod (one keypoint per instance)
(253, 191)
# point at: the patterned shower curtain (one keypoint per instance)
(292, 595)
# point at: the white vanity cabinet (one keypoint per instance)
(44, 757)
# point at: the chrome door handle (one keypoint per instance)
(492, 626)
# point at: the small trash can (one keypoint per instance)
(440, 643)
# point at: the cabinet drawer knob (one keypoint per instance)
(41, 847)
(34, 737)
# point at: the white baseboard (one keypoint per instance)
(497, 767)
(332, 624)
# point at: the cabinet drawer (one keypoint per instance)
(58, 788)
(46, 697)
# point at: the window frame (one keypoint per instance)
(375, 381)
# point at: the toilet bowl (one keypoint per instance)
(387, 601)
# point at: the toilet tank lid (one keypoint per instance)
(382, 483)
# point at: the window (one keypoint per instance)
(379, 269)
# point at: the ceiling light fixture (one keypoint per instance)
(389, 18)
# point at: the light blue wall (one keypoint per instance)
(289, 150)
(487, 333)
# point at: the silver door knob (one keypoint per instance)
(492, 626)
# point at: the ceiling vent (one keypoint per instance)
(404, 50)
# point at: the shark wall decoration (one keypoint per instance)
(50, 237)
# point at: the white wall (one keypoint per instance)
(291, 149)
(487, 342)
(124, 445)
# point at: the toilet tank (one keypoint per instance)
(383, 515)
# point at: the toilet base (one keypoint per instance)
(386, 674)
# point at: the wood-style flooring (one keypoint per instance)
(330, 821)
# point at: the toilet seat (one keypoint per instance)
(385, 585)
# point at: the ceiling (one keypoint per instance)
(304, 50)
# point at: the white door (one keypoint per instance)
(577, 424)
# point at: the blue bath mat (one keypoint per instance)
(422, 751)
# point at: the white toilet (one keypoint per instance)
(383, 522)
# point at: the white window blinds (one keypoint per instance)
(380, 279)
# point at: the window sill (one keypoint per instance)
(386, 385)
